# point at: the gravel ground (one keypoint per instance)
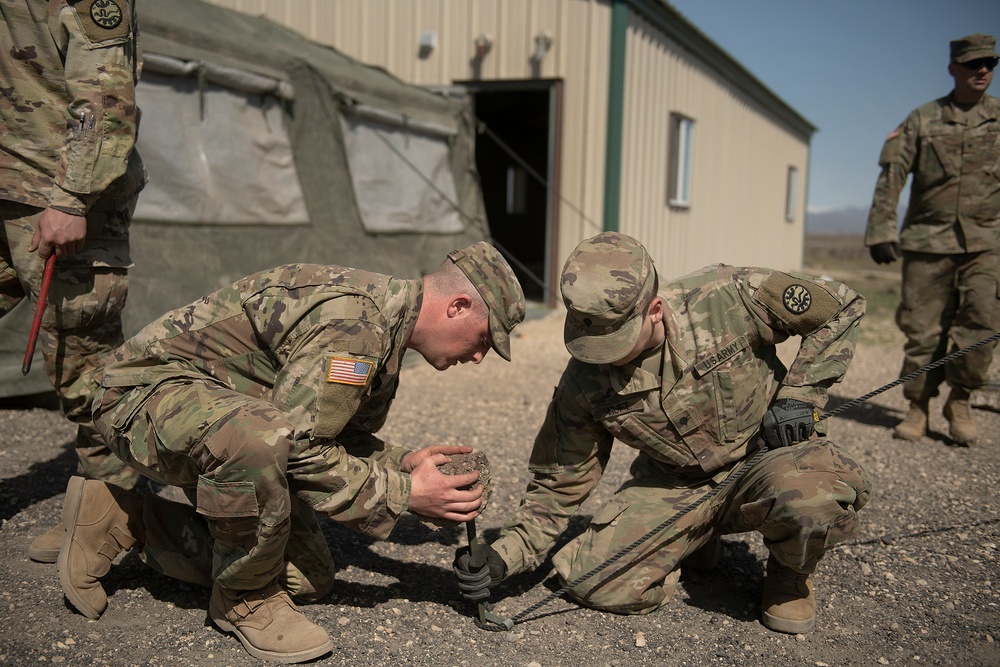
(920, 584)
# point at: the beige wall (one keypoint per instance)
(739, 171)
(737, 212)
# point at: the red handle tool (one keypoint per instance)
(43, 296)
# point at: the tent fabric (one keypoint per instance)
(313, 91)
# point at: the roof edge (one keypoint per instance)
(678, 28)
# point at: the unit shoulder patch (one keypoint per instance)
(804, 306)
(105, 20)
(796, 299)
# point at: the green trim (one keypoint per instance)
(616, 104)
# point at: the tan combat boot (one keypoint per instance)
(45, 548)
(788, 604)
(102, 521)
(959, 415)
(268, 624)
(914, 425)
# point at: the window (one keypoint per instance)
(215, 154)
(679, 173)
(790, 194)
(401, 173)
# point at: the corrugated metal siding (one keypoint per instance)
(739, 168)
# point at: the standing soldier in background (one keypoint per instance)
(950, 241)
(69, 178)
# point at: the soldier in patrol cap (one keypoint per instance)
(686, 373)
(69, 179)
(950, 237)
(261, 401)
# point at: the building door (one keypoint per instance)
(517, 152)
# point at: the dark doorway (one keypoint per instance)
(515, 152)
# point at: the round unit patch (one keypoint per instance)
(106, 13)
(796, 299)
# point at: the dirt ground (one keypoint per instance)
(919, 585)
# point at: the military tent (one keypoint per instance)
(262, 148)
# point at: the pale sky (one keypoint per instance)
(852, 68)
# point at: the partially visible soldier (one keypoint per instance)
(261, 401)
(688, 374)
(950, 239)
(69, 177)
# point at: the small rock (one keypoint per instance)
(883, 661)
(640, 639)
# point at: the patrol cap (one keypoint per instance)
(495, 281)
(606, 284)
(973, 47)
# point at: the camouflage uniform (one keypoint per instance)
(69, 116)
(265, 396)
(950, 237)
(691, 408)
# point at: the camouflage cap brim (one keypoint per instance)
(500, 337)
(604, 348)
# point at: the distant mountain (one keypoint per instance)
(848, 220)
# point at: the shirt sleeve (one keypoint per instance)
(824, 313)
(102, 117)
(569, 456)
(321, 387)
(895, 162)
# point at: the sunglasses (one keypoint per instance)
(974, 65)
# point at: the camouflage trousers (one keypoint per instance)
(801, 499)
(179, 544)
(82, 320)
(948, 300)
(230, 454)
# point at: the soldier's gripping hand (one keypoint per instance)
(478, 571)
(885, 253)
(787, 422)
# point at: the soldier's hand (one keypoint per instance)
(787, 422)
(478, 571)
(438, 496)
(885, 253)
(60, 233)
(413, 459)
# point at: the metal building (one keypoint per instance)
(595, 115)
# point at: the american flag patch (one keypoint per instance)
(348, 371)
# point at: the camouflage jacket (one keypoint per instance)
(67, 109)
(954, 156)
(322, 343)
(693, 404)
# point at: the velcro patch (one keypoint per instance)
(805, 306)
(345, 370)
(105, 19)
